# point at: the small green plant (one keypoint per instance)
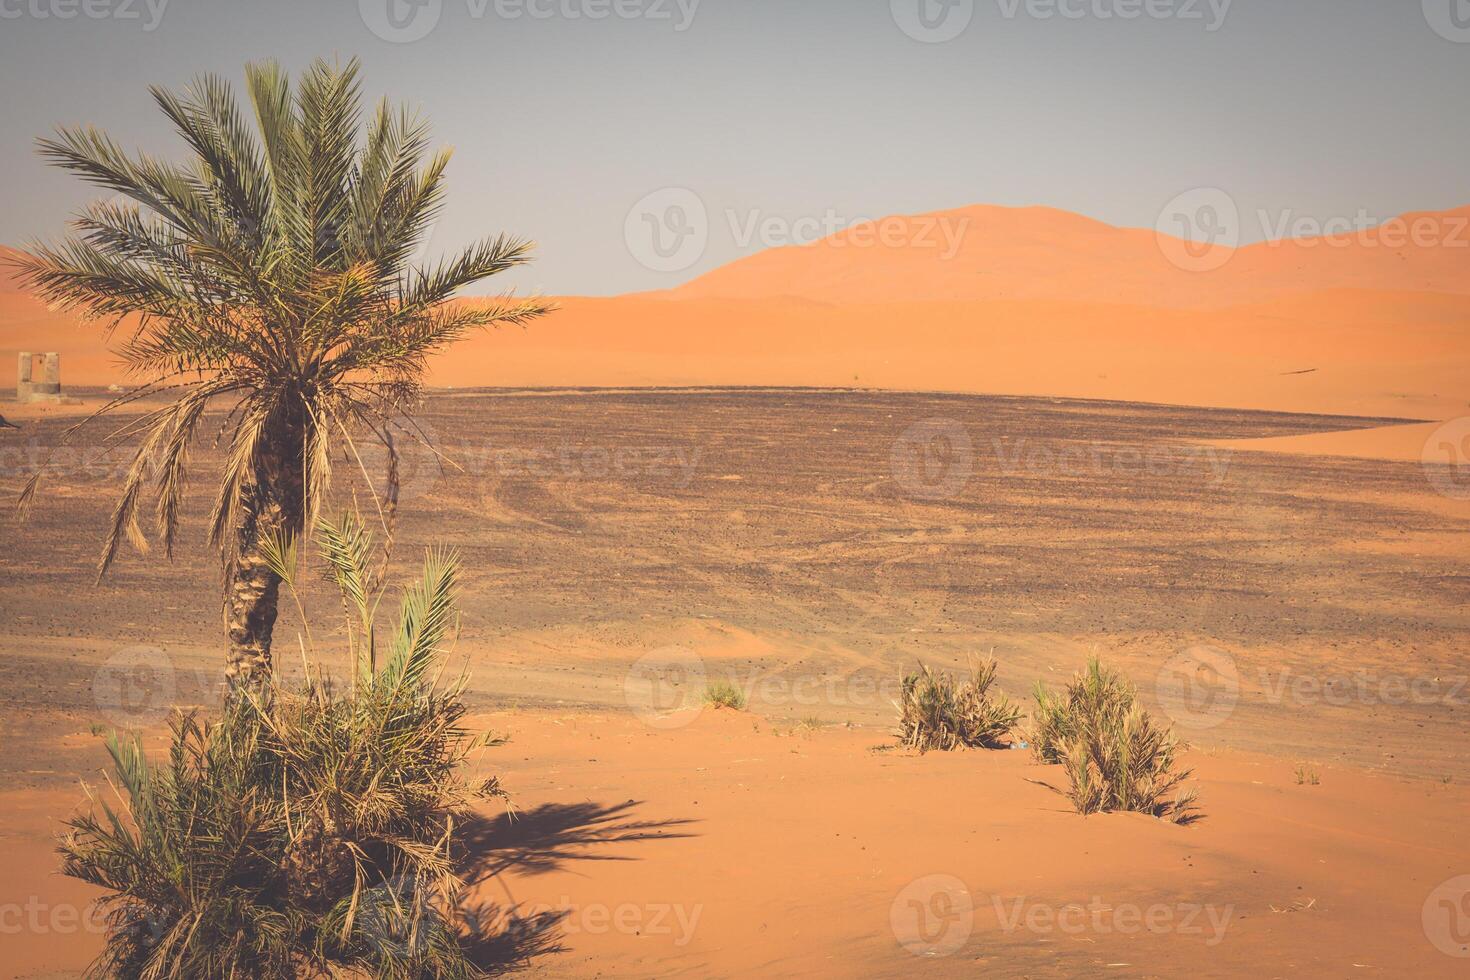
(305, 832)
(1307, 775)
(725, 694)
(1115, 755)
(935, 711)
(1095, 693)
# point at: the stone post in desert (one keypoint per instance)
(50, 383)
(48, 389)
(23, 376)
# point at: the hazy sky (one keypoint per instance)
(790, 115)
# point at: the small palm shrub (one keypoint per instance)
(725, 694)
(935, 711)
(304, 832)
(1094, 693)
(1115, 755)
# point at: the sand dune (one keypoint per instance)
(1028, 301)
(1399, 355)
(995, 253)
(1403, 443)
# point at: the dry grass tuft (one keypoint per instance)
(1115, 755)
(725, 694)
(935, 711)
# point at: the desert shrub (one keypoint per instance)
(1096, 692)
(304, 832)
(1115, 755)
(725, 694)
(935, 711)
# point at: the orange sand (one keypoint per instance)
(1033, 301)
(732, 848)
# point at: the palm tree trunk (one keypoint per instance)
(252, 590)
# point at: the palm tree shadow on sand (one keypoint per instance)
(506, 935)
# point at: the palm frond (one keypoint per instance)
(426, 617)
(272, 267)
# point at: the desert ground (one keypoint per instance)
(1288, 606)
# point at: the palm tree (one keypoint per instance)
(272, 276)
